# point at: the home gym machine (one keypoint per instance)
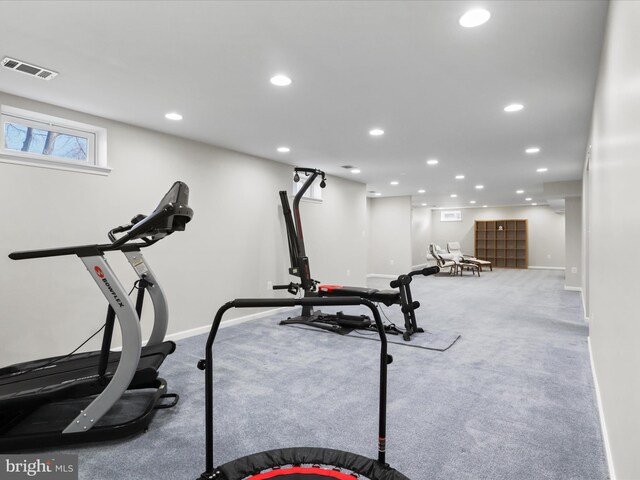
(339, 323)
(299, 462)
(99, 395)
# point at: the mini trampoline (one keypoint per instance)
(299, 463)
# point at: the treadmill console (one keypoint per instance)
(171, 215)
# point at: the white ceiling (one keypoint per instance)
(437, 89)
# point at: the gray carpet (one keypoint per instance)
(436, 341)
(512, 399)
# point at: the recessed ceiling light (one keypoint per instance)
(422, 190)
(542, 170)
(424, 204)
(528, 199)
(432, 161)
(532, 150)
(484, 206)
(173, 116)
(376, 132)
(534, 204)
(280, 80)
(459, 177)
(514, 107)
(355, 170)
(394, 182)
(377, 194)
(284, 149)
(479, 187)
(474, 18)
(453, 195)
(472, 202)
(519, 192)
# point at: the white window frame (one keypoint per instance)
(451, 216)
(96, 162)
(313, 193)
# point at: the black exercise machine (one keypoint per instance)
(99, 395)
(306, 463)
(339, 323)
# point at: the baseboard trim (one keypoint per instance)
(542, 267)
(584, 306)
(584, 309)
(227, 323)
(603, 425)
(573, 289)
(192, 332)
(381, 275)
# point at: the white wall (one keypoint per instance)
(232, 248)
(546, 231)
(586, 234)
(335, 233)
(390, 235)
(614, 225)
(573, 242)
(420, 230)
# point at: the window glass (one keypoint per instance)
(23, 138)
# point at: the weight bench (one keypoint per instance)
(342, 323)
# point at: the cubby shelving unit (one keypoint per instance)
(502, 242)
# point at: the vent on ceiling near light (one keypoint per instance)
(28, 68)
(348, 167)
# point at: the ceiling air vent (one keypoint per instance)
(28, 68)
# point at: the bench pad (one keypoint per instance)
(388, 297)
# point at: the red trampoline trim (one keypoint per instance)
(301, 470)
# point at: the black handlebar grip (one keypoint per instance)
(281, 287)
(401, 280)
(410, 308)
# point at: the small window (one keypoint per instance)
(313, 193)
(41, 140)
(451, 216)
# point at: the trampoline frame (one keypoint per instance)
(207, 363)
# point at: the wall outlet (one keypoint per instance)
(548, 255)
(269, 285)
(348, 273)
(391, 262)
(574, 269)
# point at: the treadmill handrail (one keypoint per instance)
(137, 231)
(79, 250)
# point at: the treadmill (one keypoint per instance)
(99, 395)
